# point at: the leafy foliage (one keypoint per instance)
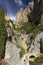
(22, 52)
(27, 27)
(32, 63)
(37, 61)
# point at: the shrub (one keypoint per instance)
(32, 63)
(26, 27)
(39, 59)
(22, 52)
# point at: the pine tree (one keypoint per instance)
(41, 45)
(2, 34)
(37, 12)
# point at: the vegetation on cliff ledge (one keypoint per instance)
(37, 61)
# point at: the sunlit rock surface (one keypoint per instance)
(35, 46)
(11, 54)
(7, 17)
(23, 14)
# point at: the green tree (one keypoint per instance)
(37, 11)
(41, 45)
(2, 33)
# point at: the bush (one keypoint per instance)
(39, 59)
(32, 63)
(22, 52)
(26, 27)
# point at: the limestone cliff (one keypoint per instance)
(22, 15)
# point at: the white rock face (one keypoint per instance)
(11, 54)
(35, 48)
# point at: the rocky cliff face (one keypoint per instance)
(22, 15)
(13, 47)
(33, 12)
(22, 47)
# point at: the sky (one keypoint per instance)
(12, 6)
